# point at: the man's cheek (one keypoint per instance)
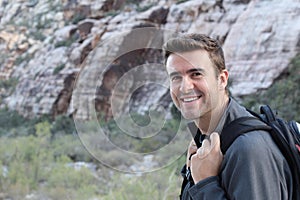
(175, 101)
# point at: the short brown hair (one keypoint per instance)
(192, 41)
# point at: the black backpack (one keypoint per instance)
(285, 134)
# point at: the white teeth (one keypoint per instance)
(190, 99)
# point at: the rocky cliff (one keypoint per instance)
(82, 56)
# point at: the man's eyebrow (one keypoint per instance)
(188, 71)
(173, 74)
(195, 70)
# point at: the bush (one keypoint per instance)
(37, 162)
(66, 43)
(33, 165)
(10, 121)
(63, 125)
(283, 95)
(25, 159)
(76, 184)
(163, 184)
(141, 133)
(58, 69)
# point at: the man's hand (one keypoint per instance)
(192, 149)
(207, 161)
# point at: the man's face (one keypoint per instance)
(195, 88)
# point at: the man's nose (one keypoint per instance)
(186, 85)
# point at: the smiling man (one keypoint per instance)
(253, 167)
(197, 88)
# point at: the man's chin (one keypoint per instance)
(190, 116)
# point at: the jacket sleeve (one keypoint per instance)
(253, 168)
(207, 189)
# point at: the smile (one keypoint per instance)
(190, 99)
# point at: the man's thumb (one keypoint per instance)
(215, 141)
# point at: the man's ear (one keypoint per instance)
(223, 78)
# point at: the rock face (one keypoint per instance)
(259, 50)
(85, 56)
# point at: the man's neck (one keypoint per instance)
(208, 123)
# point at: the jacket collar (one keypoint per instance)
(233, 111)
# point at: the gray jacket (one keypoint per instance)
(253, 168)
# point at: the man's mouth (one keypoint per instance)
(190, 99)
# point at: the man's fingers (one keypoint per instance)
(215, 141)
(193, 143)
(204, 149)
(205, 144)
(200, 152)
(208, 160)
(208, 145)
(192, 147)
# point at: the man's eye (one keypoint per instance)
(175, 78)
(196, 74)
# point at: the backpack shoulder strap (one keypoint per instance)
(239, 127)
(269, 114)
(195, 133)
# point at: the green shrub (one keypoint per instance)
(112, 13)
(63, 125)
(9, 87)
(25, 158)
(77, 18)
(283, 95)
(37, 35)
(142, 133)
(77, 184)
(68, 145)
(10, 121)
(9, 84)
(23, 58)
(162, 184)
(133, 1)
(32, 160)
(144, 8)
(58, 68)
(66, 43)
(181, 1)
(38, 160)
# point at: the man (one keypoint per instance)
(253, 167)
